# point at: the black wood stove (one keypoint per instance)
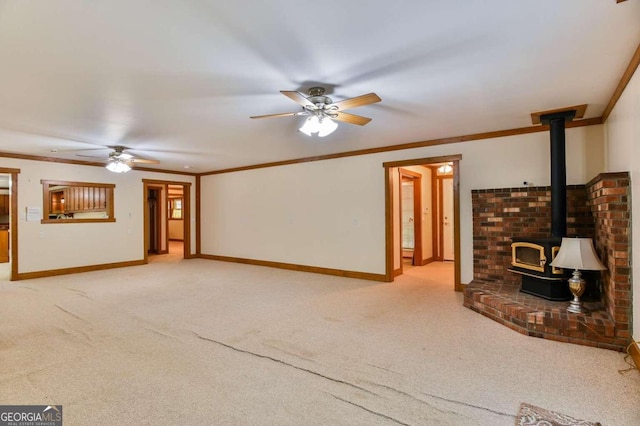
(531, 257)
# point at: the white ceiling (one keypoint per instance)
(177, 81)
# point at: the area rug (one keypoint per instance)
(530, 415)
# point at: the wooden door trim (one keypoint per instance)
(434, 215)
(417, 226)
(13, 225)
(198, 224)
(388, 166)
(186, 221)
(456, 226)
(145, 221)
(388, 229)
(421, 161)
(440, 183)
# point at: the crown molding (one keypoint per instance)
(411, 145)
(84, 163)
(626, 78)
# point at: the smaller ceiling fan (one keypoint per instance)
(120, 161)
(322, 111)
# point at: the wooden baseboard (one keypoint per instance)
(459, 286)
(397, 272)
(634, 351)
(78, 269)
(302, 268)
(428, 261)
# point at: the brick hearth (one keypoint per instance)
(600, 210)
(537, 317)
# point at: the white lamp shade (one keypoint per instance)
(327, 126)
(578, 253)
(117, 166)
(311, 125)
(322, 126)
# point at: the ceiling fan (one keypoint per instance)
(119, 161)
(322, 111)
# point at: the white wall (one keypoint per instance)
(322, 213)
(622, 136)
(44, 247)
(331, 213)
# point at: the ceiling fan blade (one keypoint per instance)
(358, 101)
(142, 161)
(286, 114)
(352, 118)
(297, 97)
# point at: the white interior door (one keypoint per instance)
(408, 221)
(447, 219)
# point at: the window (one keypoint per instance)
(77, 202)
(175, 207)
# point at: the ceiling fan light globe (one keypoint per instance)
(327, 126)
(118, 167)
(311, 125)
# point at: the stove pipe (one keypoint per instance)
(556, 122)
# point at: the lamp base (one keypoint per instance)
(577, 307)
(577, 286)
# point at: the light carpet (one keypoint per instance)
(204, 342)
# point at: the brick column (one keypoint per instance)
(609, 200)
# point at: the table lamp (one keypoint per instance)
(577, 254)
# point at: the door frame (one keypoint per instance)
(158, 191)
(440, 182)
(416, 178)
(389, 215)
(170, 201)
(13, 221)
(186, 214)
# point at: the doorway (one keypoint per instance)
(445, 210)
(175, 217)
(167, 227)
(8, 223)
(438, 215)
(155, 212)
(410, 208)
